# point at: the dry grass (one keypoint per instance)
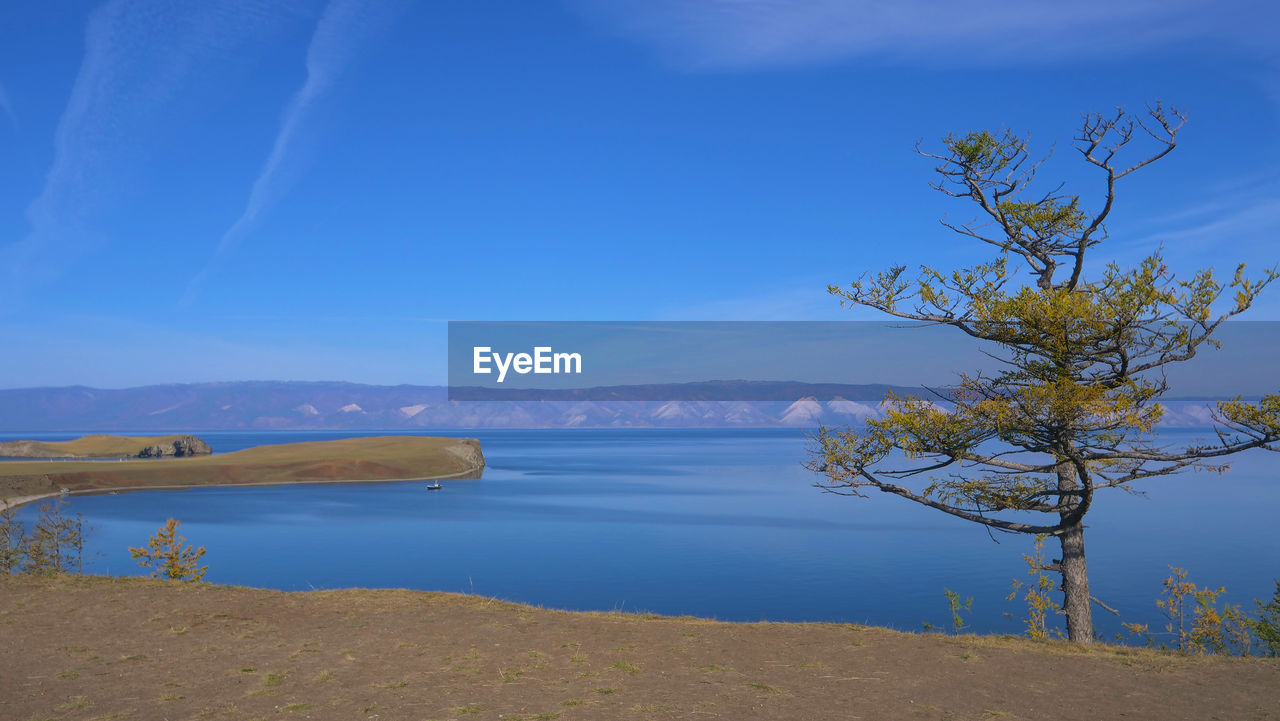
(97, 445)
(250, 653)
(349, 459)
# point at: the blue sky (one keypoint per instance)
(263, 189)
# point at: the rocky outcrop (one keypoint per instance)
(24, 449)
(106, 446)
(468, 451)
(179, 447)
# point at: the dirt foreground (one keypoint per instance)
(107, 648)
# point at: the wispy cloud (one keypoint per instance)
(1237, 220)
(809, 301)
(138, 55)
(1236, 229)
(1245, 231)
(715, 34)
(343, 28)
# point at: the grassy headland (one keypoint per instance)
(96, 647)
(92, 446)
(382, 458)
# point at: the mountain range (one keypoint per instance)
(282, 405)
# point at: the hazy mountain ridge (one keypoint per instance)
(281, 405)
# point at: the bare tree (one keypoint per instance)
(55, 543)
(13, 538)
(1073, 409)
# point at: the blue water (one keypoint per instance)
(714, 523)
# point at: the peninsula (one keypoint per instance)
(381, 458)
(105, 446)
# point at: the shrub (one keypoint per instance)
(166, 557)
(1196, 622)
(1036, 593)
(1267, 625)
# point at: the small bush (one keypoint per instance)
(1196, 623)
(165, 556)
(1267, 625)
(1036, 594)
(953, 601)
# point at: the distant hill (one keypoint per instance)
(265, 405)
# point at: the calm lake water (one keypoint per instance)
(713, 523)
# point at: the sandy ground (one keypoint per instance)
(104, 648)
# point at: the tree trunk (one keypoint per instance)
(1075, 575)
(1075, 586)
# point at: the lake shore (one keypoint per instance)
(349, 460)
(116, 647)
(15, 502)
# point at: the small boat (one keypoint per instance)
(435, 486)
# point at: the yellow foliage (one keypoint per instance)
(1074, 405)
(1036, 594)
(167, 558)
(1196, 622)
